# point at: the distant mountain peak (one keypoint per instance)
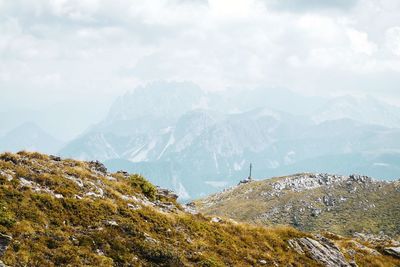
(29, 136)
(364, 109)
(158, 99)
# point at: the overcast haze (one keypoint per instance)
(70, 59)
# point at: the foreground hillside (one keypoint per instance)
(313, 202)
(58, 212)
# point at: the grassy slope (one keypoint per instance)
(84, 230)
(50, 231)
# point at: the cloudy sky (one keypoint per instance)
(58, 54)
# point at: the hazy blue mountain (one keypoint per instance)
(363, 109)
(239, 100)
(29, 136)
(192, 142)
(152, 107)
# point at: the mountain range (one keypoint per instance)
(198, 142)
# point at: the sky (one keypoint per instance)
(67, 60)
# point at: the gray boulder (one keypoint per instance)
(5, 241)
(323, 251)
(98, 166)
(393, 251)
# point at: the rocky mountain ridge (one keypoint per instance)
(313, 202)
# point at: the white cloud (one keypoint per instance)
(231, 8)
(359, 42)
(216, 43)
(393, 40)
(75, 9)
(84, 47)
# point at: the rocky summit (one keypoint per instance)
(62, 212)
(313, 202)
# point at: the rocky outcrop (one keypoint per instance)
(393, 251)
(360, 178)
(166, 193)
(307, 181)
(365, 249)
(381, 239)
(98, 166)
(320, 249)
(55, 158)
(5, 241)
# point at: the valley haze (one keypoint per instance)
(198, 142)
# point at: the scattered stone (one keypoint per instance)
(143, 201)
(99, 252)
(316, 212)
(360, 178)
(353, 264)
(307, 181)
(216, 220)
(365, 249)
(190, 208)
(246, 181)
(7, 175)
(166, 207)
(93, 194)
(124, 173)
(328, 201)
(55, 158)
(352, 253)
(149, 239)
(166, 193)
(99, 191)
(381, 239)
(98, 166)
(37, 187)
(263, 262)
(78, 181)
(110, 178)
(25, 183)
(111, 223)
(134, 207)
